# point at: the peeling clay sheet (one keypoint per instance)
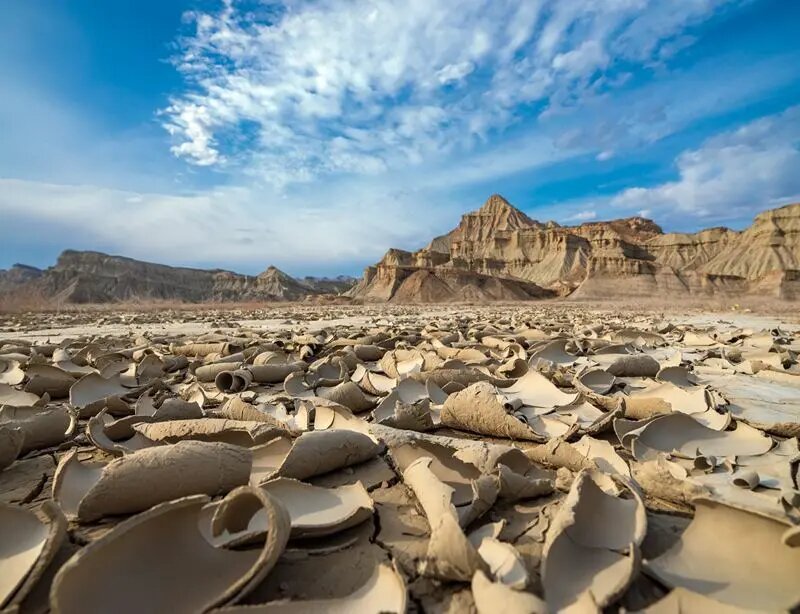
(523, 458)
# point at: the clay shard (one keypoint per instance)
(11, 440)
(233, 381)
(11, 373)
(491, 597)
(311, 454)
(167, 541)
(682, 601)
(592, 545)
(383, 593)
(732, 556)
(42, 428)
(47, 379)
(479, 409)
(135, 482)
(314, 511)
(349, 395)
(11, 396)
(681, 434)
(597, 381)
(236, 432)
(90, 393)
(28, 543)
(450, 555)
(535, 390)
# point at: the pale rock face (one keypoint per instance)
(499, 253)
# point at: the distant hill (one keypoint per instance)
(94, 277)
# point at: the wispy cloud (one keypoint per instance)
(317, 88)
(731, 174)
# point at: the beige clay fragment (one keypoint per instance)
(11, 441)
(492, 597)
(535, 390)
(597, 381)
(479, 409)
(450, 555)
(349, 395)
(89, 394)
(11, 372)
(317, 511)
(88, 491)
(42, 428)
(11, 396)
(125, 570)
(236, 432)
(682, 601)
(733, 556)
(47, 379)
(28, 543)
(311, 454)
(592, 545)
(314, 511)
(383, 593)
(681, 434)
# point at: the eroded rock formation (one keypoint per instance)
(499, 253)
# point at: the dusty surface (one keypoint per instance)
(518, 458)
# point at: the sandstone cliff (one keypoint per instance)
(93, 277)
(629, 257)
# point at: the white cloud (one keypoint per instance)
(324, 87)
(231, 227)
(731, 174)
(582, 216)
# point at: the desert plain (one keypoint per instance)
(518, 457)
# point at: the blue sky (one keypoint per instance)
(315, 134)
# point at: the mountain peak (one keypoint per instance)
(496, 204)
(495, 214)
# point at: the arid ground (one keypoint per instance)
(528, 457)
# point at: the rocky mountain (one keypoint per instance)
(499, 253)
(93, 277)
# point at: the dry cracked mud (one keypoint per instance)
(504, 458)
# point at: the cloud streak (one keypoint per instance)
(730, 175)
(315, 88)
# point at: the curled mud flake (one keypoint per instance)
(681, 434)
(733, 556)
(88, 491)
(42, 428)
(47, 379)
(233, 381)
(491, 597)
(316, 511)
(90, 393)
(592, 545)
(11, 441)
(11, 372)
(479, 409)
(450, 555)
(28, 543)
(383, 593)
(597, 381)
(349, 395)
(504, 562)
(311, 454)
(628, 365)
(535, 390)
(11, 396)
(235, 432)
(167, 541)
